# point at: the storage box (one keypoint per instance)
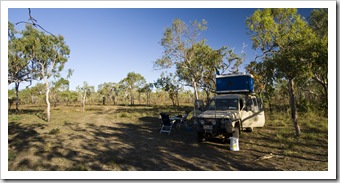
(234, 83)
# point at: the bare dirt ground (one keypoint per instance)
(125, 138)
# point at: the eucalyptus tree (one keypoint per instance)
(108, 91)
(47, 54)
(84, 92)
(19, 67)
(177, 42)
(318, 21)
(208, 63)
(284, 38)
(169, 84)
(263, 80)
(147, 89)
(195, 62)
(131, 83)
(58, 87)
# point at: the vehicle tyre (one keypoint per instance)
(236, 132)
(249, 129)
(200, 137)
(224, 139)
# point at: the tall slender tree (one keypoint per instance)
(284, 38)
(318, 21)
(177, 42)
(47, 54)
(84, 92)
(186, 50)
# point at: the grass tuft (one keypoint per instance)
(54, 131)
(11, 155)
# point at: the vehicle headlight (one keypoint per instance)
(201, 121)
(213, 122)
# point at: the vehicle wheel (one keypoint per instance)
(200, 137)
(236, 132)
(225, 139)
(250, 129)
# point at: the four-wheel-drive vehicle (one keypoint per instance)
(228, 113)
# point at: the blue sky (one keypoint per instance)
(106, 44)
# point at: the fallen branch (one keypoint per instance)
(268, 156)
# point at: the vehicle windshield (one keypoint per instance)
(223, 104)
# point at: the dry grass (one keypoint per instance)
(127, 138)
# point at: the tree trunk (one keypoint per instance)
(83, 101)
(207, 92)
(83, 105)
(172, 97)
(194, 84)
(293, 107)
(17, 97)
(132, 99)
(104, 100)
(48, 101)
(148, 98)
(139, 96)
(114, 100)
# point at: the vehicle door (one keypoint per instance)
(253, 115)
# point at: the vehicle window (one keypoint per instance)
(226, 104)
(254, 101)
(199, 105)
(255, 107)
(241, 104)
(211, 105)
(260, 104)
(249, 102)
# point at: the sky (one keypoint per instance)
(108, 43)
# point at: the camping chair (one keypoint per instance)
(167, 124)
(184, 120)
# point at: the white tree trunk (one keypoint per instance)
(194, 84)
(47, 100)
(84, 101)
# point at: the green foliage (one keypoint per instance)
(123, 115)
(109, 90)
(11, 155)
(47, 53)
(288, 46)
(84, 91)
(79, 167)
(35, 55)
(195, 61)
(169, 84)
(132, 83)
(284, 38)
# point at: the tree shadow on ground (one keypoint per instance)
(134, 146)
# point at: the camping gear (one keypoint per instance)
(234, 144)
